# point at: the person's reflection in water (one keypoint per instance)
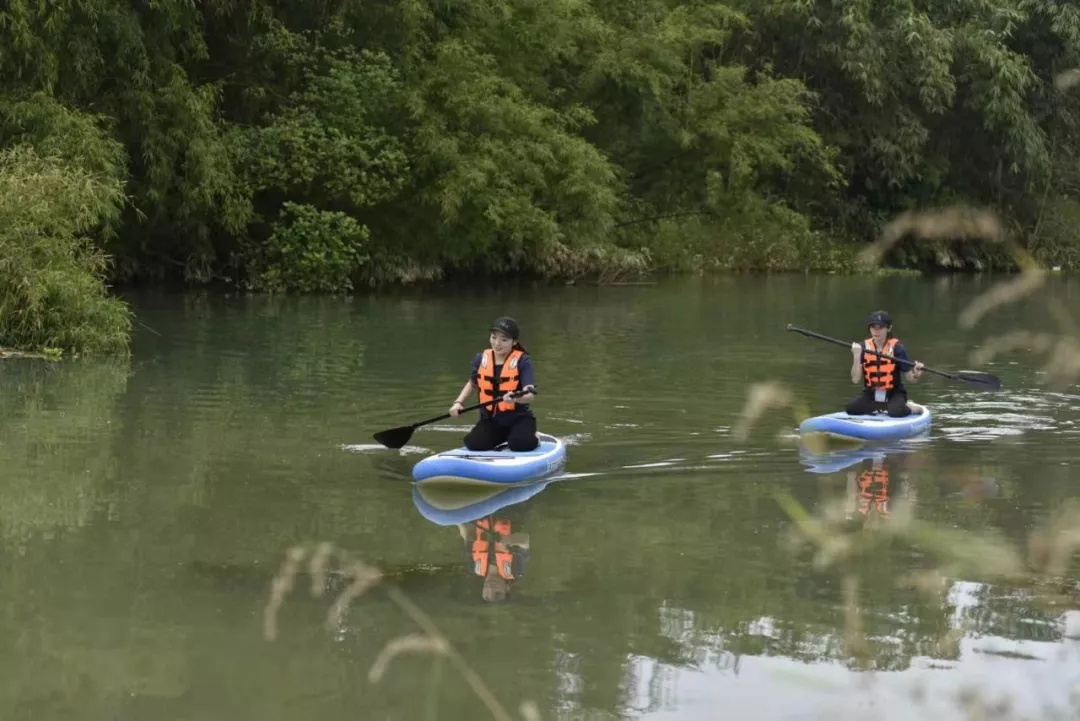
(496, 553)
(870, 493)
(490, 520)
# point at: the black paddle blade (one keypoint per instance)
(979, 380)
(395, 437)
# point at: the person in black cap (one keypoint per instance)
(882, 378)
(498, 372)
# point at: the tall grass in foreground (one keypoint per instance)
(362, 577)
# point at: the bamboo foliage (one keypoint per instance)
(552, 137)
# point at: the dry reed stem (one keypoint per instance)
(932, 583)
(938, 224)
(832, 546)
(1015, 340)
(1052, 546)
(854, 638)
(809, 526)
(1063, 365)
(1051, 549)
(828, 530)
(317, 568)
(428, 626)
(948, 644)
(961, 551)
(762, 397)
(279, 588)
(364, 577)
(413, 643)
(529, 711)
(1066, 79)
(1030, 280)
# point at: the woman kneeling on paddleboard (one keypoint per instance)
(882, 378)
(497, 372)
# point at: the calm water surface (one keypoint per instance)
(147, 505)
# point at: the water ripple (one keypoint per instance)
(964, 417)
(377, 448)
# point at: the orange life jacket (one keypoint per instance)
(879, 373)
(482, 548)
(492, 386)
(869, 496)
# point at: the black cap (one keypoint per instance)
(879, 316)
(508, 326)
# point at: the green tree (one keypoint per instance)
(60, 186)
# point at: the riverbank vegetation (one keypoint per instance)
(282, 146)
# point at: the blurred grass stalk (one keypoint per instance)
(362, 577)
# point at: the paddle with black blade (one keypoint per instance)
(975, 379)
(398, 437)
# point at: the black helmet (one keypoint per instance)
(879, 316)
(508, 326)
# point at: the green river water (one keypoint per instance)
(146, 506)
